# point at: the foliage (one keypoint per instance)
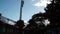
(53, 12)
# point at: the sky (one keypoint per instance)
(11, 8)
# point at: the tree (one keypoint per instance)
(53, 12)
(40, 18)
(32, 25)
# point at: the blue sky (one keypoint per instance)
(11, 8)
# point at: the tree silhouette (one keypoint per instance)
(39, 18)
(36, 23)
(32, 25)
(53, 12)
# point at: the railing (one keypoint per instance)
(7, 20)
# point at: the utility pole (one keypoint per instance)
(20, 20)
(22, 3)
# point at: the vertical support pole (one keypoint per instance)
(20, 13)
(22, 3)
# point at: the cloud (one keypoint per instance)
(42, 3)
